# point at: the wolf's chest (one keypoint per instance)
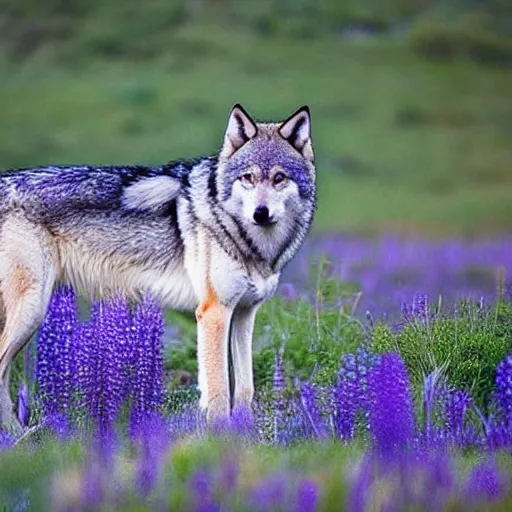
(259, 289)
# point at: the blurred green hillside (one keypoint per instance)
(411, 100)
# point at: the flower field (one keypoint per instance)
(353, 412)
(390, 270)
(383, 367)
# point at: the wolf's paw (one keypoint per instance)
(9, 422)
(243, 398)
(217, 410)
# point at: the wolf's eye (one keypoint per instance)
(247, 178)
(279, 178)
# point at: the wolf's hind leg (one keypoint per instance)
(24, 313)
(27, 277)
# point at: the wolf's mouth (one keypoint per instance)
(266, 225)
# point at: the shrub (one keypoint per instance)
(470, 345)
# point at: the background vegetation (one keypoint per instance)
(412, 117)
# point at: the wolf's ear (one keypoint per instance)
(297, 131)
(240, 129)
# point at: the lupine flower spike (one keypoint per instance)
(391, 418)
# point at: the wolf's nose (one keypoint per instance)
(261, 215)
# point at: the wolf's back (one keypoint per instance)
(102, 229)
(52, 192)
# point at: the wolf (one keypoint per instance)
(209, 235)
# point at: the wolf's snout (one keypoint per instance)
(261, 215)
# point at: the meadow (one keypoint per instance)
(349, 414)
(383, 367)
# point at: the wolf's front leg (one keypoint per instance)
(241, 352)
(213, 322)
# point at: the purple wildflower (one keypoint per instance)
(417, 311)
(190, 421)
(504, 390)
(497, 436)
(365, 362)
(307, 496)
(54, 361)
(97, 475)
(270, 494)
(201, 487)
(118, 330)
(309, 402)
(23, 404)
(229, 475)
(102, 358)
(112, 323)
(6, 441)
(92, 494)
(438, 482)
(278, 389)
(147, 388)
(60, 426)
(346, 398)
(288, 292)
(485, 482)
(360, 488)
(90, 363)
(200, 484)
(152, 446)
(391, 417)
(86, 350)
(279, 379)
(294, 424)
(349, 394)
(242, 422)
(418, 481)
(456, 404)
(30, 364)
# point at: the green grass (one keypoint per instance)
(467, 348)
(403, 144)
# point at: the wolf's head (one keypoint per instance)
(266, 177)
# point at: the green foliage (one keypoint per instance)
(182, 355)
(472, 38)
(178, 398)
(469, 346)
(313, 336)
(403, 144)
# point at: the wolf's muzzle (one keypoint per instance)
(262, 216)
